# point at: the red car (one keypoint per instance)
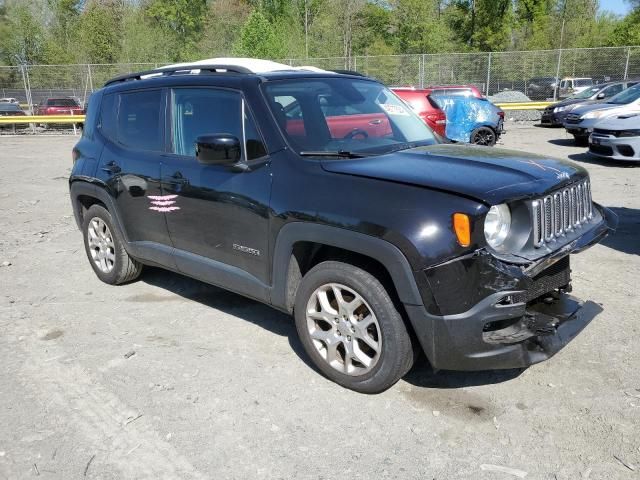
(420, 101)
(60, 106)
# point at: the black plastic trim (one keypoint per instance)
(386, 253)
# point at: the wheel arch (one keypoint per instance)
(299, 246)
(85, 194)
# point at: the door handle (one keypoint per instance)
(112, 168)
(375, 122)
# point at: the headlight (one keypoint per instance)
(559, 109)
(497, 224)
(596, 114)
(629, 133)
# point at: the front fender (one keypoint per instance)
(385, 252)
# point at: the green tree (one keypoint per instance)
(183, 19)
(258, 38)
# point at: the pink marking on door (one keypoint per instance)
(164, 209)
(162, 197)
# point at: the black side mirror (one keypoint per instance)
(218, 149)
(600, 96)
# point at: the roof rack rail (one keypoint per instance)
(166, 71)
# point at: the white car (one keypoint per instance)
(617, 138)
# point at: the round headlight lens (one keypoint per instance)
(497, 224)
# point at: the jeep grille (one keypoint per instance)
(560, 212)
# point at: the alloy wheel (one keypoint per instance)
(344, 329)
(101, 245)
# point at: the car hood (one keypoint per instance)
(490, 175)
(630, 121)
(582, 109)
(575, 101)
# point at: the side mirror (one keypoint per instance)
(600, 96)
(218, 149)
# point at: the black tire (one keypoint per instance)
(581, 140)
(396, 355)
(483, 136)
(124, 269)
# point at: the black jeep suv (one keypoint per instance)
(325, 196)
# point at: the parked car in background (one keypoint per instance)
(459, 90)
(581, 120)
(541, 88)
(11, 110)
(472, 120)
(554, 115)
(60, 106)
(9, 100)
(617, 138)
(425, 106)
(570, 86)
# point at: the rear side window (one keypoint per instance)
(139, 121)
(108, 115)
(90, 120)
(62, 102)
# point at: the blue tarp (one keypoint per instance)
(465, 114)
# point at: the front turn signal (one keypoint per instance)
(462, 227)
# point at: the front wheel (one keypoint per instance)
(483, 136)
(351, 329)
(581, 140)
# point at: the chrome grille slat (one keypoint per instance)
(561, 212)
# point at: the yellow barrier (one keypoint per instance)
(42, 119)
(524, 105)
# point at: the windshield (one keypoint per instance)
(589, 92)
(583, 82)
(344, 115)
(626, 96)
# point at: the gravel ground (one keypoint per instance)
(170, 378)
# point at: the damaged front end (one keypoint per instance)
(487, 310)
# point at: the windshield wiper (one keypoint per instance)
(334, 154)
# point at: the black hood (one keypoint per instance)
(573, 101)
(487, 174)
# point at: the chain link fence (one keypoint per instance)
(491, 72)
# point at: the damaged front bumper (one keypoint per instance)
(486, 313)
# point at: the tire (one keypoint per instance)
(318, 328)
(581, 140)
(105, 249)
(483, 136)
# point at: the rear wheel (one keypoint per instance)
(350, 328)
(105, 250)
(483, 136)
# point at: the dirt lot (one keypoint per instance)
(218, 386)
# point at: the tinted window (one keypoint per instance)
(626, 96)
(451, 91)
(254, 145)
(139, 125)
(202, 111)
(108, 115)
(612, 90)
(62, 102)
(90, 121)
(583, 82)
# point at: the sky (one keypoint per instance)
(615, 6)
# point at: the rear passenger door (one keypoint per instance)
(219, 216)
(133, 124)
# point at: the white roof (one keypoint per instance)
(255, 65)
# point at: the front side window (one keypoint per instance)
(626, 96)
(207, 111)
(344, 114)
(612, 90)
(139, 120)
(583, 82)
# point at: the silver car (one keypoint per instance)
(617, 138)
(581, 120)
